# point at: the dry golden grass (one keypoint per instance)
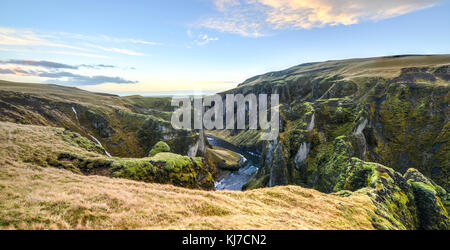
(34, 197)
(30, 142)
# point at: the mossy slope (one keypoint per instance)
(60, 148)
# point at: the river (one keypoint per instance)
(234, 180)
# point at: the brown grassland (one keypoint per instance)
(36, 197)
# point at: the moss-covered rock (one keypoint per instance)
(430, 199)
(158, 148)
(184, 171)
(165, 168)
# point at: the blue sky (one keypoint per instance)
(165, 47)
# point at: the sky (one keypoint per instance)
(203, 46)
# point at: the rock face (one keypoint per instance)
(359, 125)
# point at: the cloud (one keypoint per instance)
(21, 37)
(6, 72)
(65, 77)
(45, 64)
(25, 37)
(237, 17)
(17, 71)
(223, 5)
(55, 65)
(253, 18)
(97, 66)
(247, 27)
(205, 39)
(74, 79)
(108, 39)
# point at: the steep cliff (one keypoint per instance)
(359, 125)
(396, 108)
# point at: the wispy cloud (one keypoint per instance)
(64, 77)
(75, 79)
(22, 37)
(108, 39)
(199, 39)
(97, 66)
(67, 41)
(54, 65)
(45, 64)
(6, 71)
(254, 18)
(205, 39)
(59, 73)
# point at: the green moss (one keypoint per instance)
(424, 187)
(166, 168)
(139, 169)
(432, 212)
(80, 141)
(172, 161)
(158, 148)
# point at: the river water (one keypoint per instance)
(234, 180)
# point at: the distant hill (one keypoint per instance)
(125, 126)
(386, 67)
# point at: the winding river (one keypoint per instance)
(234, 180)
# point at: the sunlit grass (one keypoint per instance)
(35, 197)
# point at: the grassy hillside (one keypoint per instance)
(42, 198)
(36, 196)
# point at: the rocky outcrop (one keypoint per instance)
(164, 168)
(430, 199)
(158, 148)
(167, 168)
